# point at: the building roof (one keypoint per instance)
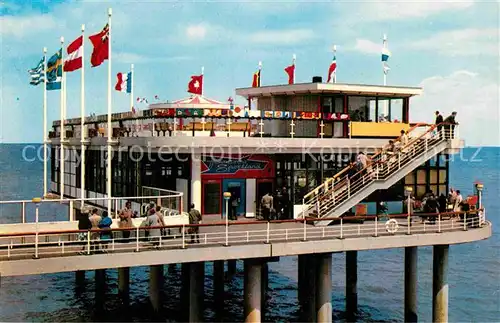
(195, 102)
(324, 88)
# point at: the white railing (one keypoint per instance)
(74, 242)
(168, 200)
(334, 191)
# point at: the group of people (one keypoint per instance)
(449, 123)
(275, 207)
(93, 221)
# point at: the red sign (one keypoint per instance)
(336, 116)
(237, 166)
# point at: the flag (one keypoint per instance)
(290, 70)
(100, 41)
(124, 82)
(385, 58)
(195, 86)
(140, 100)
(74, 60)
(332, 70)
(54, 71)
(256, 79)
(37, 73)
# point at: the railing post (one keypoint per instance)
(348, 187)
(378, 170)
(23, 212)
(71, 214)
(227, 231)
(439, 223)
(267, 233)
(465, 221)
(88, 242)
(333, 193)
(318, 208)
(303, 208)
(341, 228)
(409, 223)
(137, 239)
(376, 227)
(183, 237)
(399, 160)
(305, 230)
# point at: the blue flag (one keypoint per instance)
(37, 73)
(54, 71)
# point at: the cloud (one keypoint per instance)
(282, 37)
(476, 100)
(367, 46)
(391, 10)
(135, 58)
(196, 31)
(20, 27)
(461, 42)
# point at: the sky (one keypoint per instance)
(450, 48)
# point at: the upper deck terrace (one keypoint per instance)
(290, 118)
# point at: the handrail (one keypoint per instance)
(45, 200)
(237, 223)
(352, 165)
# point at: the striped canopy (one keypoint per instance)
(197, 99)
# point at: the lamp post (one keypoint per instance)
(408, 191)
(227, 196)
(479, 190)
(37, 201)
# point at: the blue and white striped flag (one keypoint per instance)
(37, 74)
(385, 58)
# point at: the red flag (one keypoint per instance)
(256, 79)
(195, 86)
(74, 59)
(332, 70)
(100, 41)
(290, 70)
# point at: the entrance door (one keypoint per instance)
(263, 186)
(211, 197)
(238, 192)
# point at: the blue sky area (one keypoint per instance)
(448, 48)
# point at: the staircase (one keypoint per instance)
(346, 189)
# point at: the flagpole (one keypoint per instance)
(61, 127)
(110, 131)
(260, 73)
(385, 76)
(202, 79)
(294, 58)
(45, 122)
(335, 56)
(82, 121)
(383, 69)
(131, 87)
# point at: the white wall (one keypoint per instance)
(196, 181)
(251, 190)
(181, 185)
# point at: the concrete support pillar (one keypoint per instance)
(307, 287)
(324, 287)
(185, 290)
(218, 289)
(79, 277)
(155, 286)
(411, 262)
(231, 267)
(100, 288)
(195, 181)
(351, 285)
(265, 283)
(124, 283)
(253, 290)
(440, 284)
(196, 291)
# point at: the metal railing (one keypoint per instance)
(325, 198)
(15, 246)
(167, 199)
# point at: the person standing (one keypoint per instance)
(83, 224)
(449, 125)
(194, 218)
(95, 219)
(126, 220)
(438, 122)
(266, 204)
(106, 234)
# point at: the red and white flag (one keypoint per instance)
(290, 70)
(332, 70)
(100, 41)
(74, 60)
(195, 86)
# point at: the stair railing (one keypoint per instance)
(339, 188)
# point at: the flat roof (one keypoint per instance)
(323, 88)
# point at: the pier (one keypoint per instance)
(255, 243)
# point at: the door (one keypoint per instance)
(238, 194)
(263, 186)
(211, 199)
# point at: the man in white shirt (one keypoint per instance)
(458, 201)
